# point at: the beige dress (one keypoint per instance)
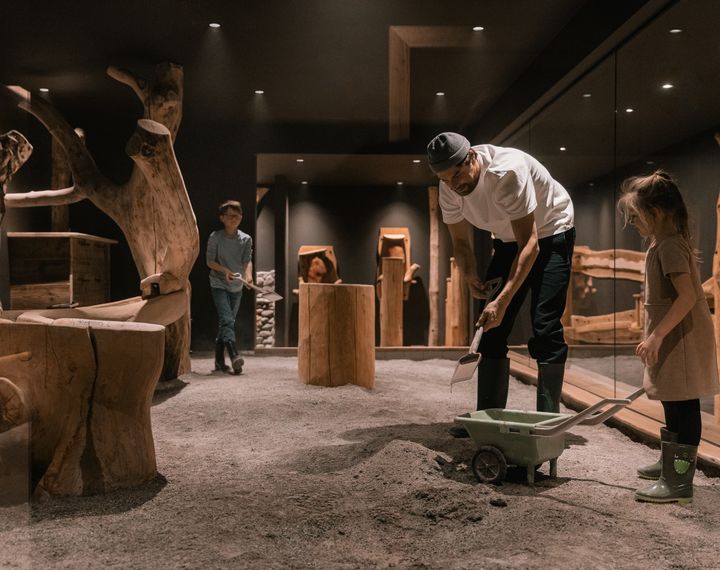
(687, 365)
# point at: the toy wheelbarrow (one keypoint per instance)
(528, 439)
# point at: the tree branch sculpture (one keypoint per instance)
(152, 208)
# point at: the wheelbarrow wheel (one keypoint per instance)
(489, 465)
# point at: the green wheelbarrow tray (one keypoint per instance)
(528, 439)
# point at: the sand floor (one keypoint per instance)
(259, 471)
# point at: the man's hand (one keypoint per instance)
(648, 349)
(228, 275)
(476, 287)
(492, 315)
(249, 280)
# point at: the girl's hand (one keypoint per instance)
(648, 350)
(492, 316)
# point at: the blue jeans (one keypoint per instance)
(227, 304)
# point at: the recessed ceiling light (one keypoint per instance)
(667, 86)
(478, 28)
(214, 25)
(259, 92)
(299, 160)
(676, 30)
(629, 110)
(440, 93)
(399, 183)
(591, 184)
(416, 161)
(649, 162)
(304, 182)
(587, 95)
(562, 148)
(44, 90)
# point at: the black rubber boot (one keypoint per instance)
(549, 388)
(492, 390)
(493, 379)
(654, 470)
(220, 365)
(236, 360)
(675, 484)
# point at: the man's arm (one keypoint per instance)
(462, 235)
(525, 232)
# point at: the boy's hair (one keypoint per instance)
(641, 195)
(230, 205)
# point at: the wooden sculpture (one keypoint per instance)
(395, 242)
(14, 152)
(317, 264)
(623, 327)
(152, 208)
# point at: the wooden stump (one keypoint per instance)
(456, 308)
(391, 301)
(337, 335)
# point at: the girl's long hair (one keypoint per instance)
(641, 195)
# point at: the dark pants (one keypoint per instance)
(547, 283)
(684, 419)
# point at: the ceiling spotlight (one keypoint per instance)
(562, 148)
(304, 182)
(299, 160)
(478, 28)
(214, 25)
(676, 30)
(667, 86)
(587, 95)
(629, 110)
(44, 90)
(649, 162)
(440, 93)
(399, 183)
(259, 92)
(416, 161)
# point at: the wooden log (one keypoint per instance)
(434, 277)
(61, 177)
(391, 302)
(457, 310)
(716, 294)
(336, 334)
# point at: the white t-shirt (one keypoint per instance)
(512, 184)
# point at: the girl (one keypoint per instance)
(679, 347)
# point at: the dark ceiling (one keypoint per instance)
(318, 61)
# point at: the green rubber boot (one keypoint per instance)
(653, 470)
(549, 387)
(493, 379)
(675, 484)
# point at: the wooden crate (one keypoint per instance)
(50, 268)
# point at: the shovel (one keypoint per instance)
(269, 294)
(466, 366)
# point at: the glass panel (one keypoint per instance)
(668, 113)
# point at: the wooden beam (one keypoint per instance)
(401, 40)
(434, 284)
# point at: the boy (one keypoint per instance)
(229, 254)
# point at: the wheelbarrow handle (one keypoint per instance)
(567, 423)
(600, 417)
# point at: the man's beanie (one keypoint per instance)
(447, 150)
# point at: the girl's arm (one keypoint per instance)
(686, 299)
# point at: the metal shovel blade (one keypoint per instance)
(269, 294)
(465, 368)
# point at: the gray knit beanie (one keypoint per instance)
(447, 150)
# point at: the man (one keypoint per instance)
(509, 193)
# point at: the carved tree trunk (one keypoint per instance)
(152, 208)
(434, 285)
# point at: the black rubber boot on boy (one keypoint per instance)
(492, 388)
(549, 387)
(220, 365)
(236, 360)
(653, 470)
(675, 484)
